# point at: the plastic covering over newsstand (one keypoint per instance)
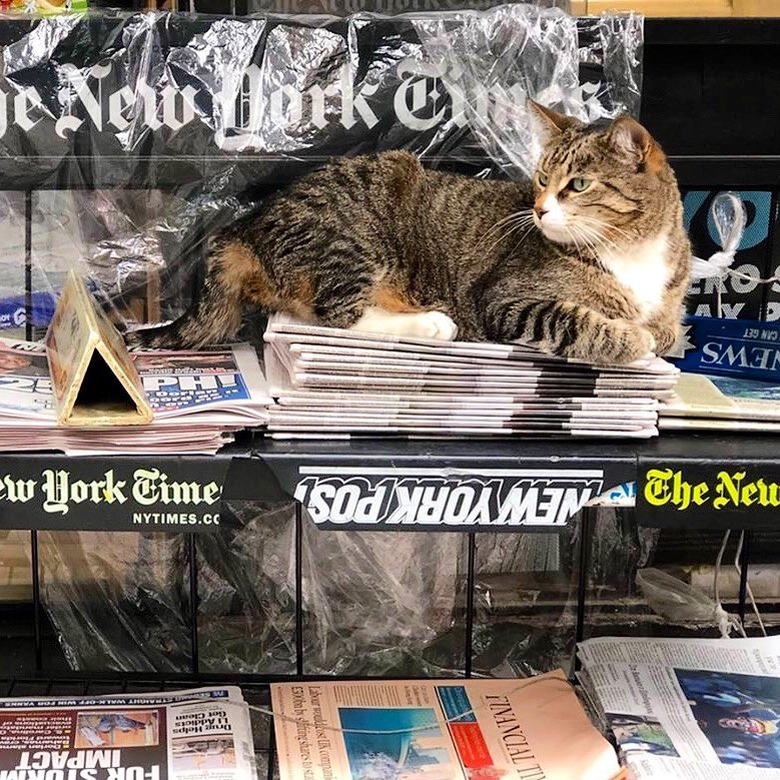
(131, 139)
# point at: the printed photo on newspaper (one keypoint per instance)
(194, 734)
(689, 708)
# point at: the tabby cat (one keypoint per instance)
(589, 262)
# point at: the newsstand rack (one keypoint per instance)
(709, 88)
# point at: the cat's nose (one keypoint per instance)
(540, 211)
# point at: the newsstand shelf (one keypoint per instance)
(400, 485)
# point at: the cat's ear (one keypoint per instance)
(633, 141)
(548, 124)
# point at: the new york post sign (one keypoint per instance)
(421, 497)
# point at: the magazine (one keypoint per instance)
(200, 400)
(438, 730)
(688, 708)
(197, 734)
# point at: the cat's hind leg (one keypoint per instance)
(360, 293)
(217, 309)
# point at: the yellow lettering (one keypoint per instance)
(700, 493)
(728, 489)
(657, 491)
(768, 495)
(664, 486)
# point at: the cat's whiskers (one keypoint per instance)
(596, 242)
(515, 215)
(503, 220)
(504, 225)
(592, 229)
(576, 236)
(588, 239)
(521, 222)
(504, 236)
(605, 228)
(525, 235)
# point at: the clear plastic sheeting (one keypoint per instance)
(485, 69)
(379, 603)
(163, 128)
(376, 603)
(387, 7)
(371, 603)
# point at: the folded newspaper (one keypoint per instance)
(187, 735)
(200, 400)
(330, 382)
(693, 709)
(438, 730)
(721, 403)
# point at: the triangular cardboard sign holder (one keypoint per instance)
(94, 379)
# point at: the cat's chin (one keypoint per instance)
(557, 235)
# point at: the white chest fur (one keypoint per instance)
(644, 271)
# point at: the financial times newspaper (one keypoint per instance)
(438, 730)
(689, 708)
(201, 734)
(200, 399)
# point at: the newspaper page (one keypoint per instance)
(751, 656)
(532, 729)
(689, 708)
(25, 383)
(202, 734)
(229, 381)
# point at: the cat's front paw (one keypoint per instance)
(435, 325)
(623, 343)
(665, 339)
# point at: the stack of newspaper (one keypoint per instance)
(698, 709)
(331, 383)
(194, 734)
(200, 399)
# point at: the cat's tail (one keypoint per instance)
(215, 314)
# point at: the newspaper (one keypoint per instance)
(328, 381)
(689, 708)
(199, 734)
(200, 399)
(722, 403)
(438, 730)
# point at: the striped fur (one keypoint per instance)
(382, 231)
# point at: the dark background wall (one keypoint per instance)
(712, 98)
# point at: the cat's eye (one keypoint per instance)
(542, 178)
(579, 184)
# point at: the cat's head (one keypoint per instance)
(601, 185)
